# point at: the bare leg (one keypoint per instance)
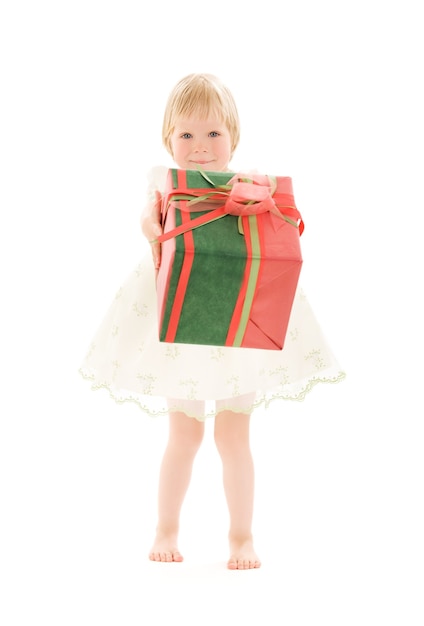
(185, 437)
(232, 441)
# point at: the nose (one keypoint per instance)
(200, 146)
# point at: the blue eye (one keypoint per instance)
(186, 135)
(214, 133)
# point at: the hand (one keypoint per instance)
(151, 227)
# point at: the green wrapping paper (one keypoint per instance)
(227, 279)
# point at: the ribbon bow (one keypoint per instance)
(251, 196)
(243, 195)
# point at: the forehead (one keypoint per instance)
(194, 121)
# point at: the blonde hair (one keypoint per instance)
(204, 95)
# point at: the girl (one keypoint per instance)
(192, 382)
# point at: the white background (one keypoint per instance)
(329, 93)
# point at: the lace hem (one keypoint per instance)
(156, 406)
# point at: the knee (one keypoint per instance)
(232, 436)
(186, 434)
(227, 444)
(192, 441)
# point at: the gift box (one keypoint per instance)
(231, 259)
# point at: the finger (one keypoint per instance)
(150, 227)
(156, 246)
(157, 207)
(156, 254)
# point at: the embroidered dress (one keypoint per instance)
(127, 358)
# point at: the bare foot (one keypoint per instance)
(243, 556)
(165, 549)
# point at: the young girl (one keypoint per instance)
(192, 382)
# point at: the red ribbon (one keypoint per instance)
(242, 198)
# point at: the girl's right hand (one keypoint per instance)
(152, 228)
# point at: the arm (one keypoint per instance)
(151, 226)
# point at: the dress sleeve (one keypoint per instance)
(156, 179)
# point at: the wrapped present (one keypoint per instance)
(231, 259)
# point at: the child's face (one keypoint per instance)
(203, 143)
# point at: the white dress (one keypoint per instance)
(127, 358)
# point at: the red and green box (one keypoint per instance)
(231, 259)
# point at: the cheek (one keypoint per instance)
(227, 150)
(174, 144)
(180, 147)
(228, 146)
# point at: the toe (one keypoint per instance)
(232, 563)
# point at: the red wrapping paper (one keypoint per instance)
(270, 225)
